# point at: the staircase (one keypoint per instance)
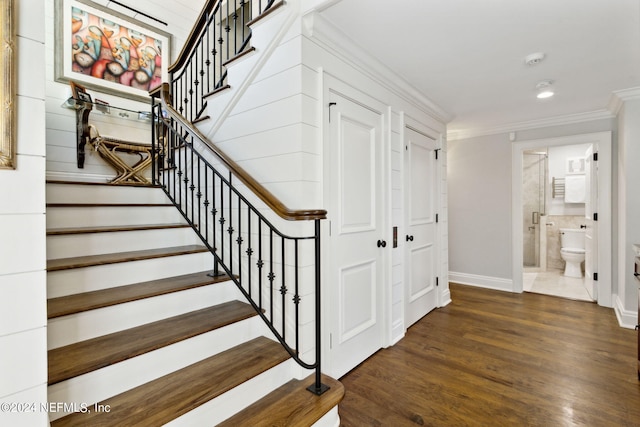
(140, 333)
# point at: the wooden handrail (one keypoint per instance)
(258, 189)
(193, 35)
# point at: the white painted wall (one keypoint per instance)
(479, 180)
(23, 370)
(628, 213)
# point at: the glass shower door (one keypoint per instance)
(534, 173)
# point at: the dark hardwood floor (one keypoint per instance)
(494, 358)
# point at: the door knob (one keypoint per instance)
(409, 238)
(382, 243)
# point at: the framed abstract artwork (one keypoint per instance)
(108, 51)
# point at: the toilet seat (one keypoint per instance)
(572, 250)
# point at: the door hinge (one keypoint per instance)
(437, 281)
(436, 151)
(595, 156)
(330, 341)
(331, 104)
(595, 277)
(329, 228)
(595, 216)
(437, 218)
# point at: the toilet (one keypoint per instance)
(572, 251)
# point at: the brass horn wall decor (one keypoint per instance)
(8, 86)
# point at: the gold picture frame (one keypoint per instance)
(8, 89)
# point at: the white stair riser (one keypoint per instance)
(73, 328)
(73, 245)
(330, 419)
(61, 217)
(228, 404)
(98, 385)
(78, 280)
(78, 193)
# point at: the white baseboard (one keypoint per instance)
(496, 283)
(445, 297)
(626, 318)
(397, 332)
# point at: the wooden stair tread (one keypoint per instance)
(77, 303)
(291, 405)
(112, 228)
(86, 356)
(113, 258)
(166, 398)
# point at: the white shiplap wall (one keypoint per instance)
(61, 146)
(23, 369)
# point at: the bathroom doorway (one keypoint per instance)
(542, 211)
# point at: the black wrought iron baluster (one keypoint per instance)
(235, 27)
(199, 197)
(196, 82)
(192, 186)
(296, 295)
(272, 275)
(249, 249)
(207, 62)
(230, 229)
(206, 206)
(283, 289)
(227, 28)
(239, 240)
(260, 263)
(222, 219)
(214, 210)
(220, 50)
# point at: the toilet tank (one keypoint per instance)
(572, 238)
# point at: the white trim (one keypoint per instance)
(619, 97)
(496, 283)
(626, 318)
(326, 34)
(454, 135)
(77, 176)
(604, 209)
(445, 296)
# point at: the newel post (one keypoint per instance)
(317, 387)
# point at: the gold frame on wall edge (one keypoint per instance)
(8, 88)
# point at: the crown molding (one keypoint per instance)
(531, 124)
(619, 97)
(316, 27)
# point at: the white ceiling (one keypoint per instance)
(467, 56)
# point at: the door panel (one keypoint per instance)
(355, 211)
(421, 201)
(357, 163)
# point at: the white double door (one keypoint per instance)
(360, 243)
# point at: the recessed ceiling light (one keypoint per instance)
(545, 89)
(534, 58)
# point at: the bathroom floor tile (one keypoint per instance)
(553, 282)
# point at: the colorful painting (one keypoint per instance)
(105, 49)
